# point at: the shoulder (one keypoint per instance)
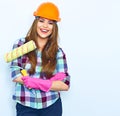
(60, 53)
(19, 42)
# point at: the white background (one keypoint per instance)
(90, 36)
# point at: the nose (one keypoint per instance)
(45, 24)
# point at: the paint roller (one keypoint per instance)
(20, 51)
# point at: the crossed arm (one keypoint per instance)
(54, 84)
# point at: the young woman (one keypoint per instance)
(38, 93)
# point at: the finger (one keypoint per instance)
(23, 78)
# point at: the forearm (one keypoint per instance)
(59, 86)
(18, 80)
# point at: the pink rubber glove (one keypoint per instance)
(58, 77)
(41, 84)
(37, 83)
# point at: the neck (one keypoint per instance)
(41, 43)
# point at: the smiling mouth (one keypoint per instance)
(44, 30)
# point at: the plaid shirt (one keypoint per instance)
(31, 97)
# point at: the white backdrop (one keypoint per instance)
(90, 36)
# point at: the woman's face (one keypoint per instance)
(44, 27)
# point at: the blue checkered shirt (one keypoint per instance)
(31, 97)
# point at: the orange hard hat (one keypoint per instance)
(48, 10)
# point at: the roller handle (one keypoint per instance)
(24, 73)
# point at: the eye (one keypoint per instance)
(41, 20)
(50, 22)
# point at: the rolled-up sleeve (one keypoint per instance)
(62, 66)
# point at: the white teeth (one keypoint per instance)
(44, 30)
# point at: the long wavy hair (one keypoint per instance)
(48, 53)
